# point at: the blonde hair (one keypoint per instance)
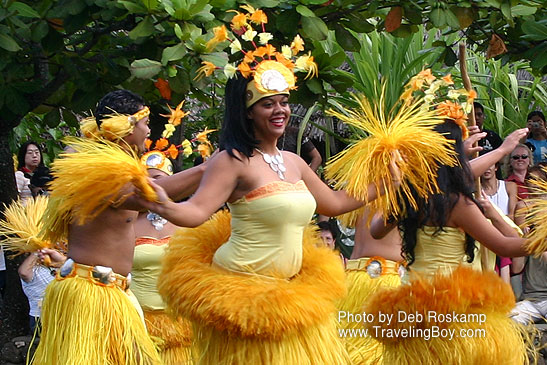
(508, 168)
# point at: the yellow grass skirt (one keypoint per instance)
(362, 348)
(88, 324)
(173, 338)
(251, 319)
(482, 334)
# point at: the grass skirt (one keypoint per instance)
(362, 348)
(173, 338)
(85, 323)
(492, 338)
(252, 319)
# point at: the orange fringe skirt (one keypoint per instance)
(248, 319)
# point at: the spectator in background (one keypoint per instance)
(519, 162)
(39, 181)
(29, 158)
(328, 235)
(310, 154)
(537, 137)
(492, 139)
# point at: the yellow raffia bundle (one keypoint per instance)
(113, 127)
(407, 129)
(21, 226)
(88, 181)
(536, 216)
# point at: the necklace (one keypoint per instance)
(275, 162)
(157, 221)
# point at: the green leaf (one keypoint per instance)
(8, 43)
(70, 119)
(495, 3)
(450, 57)
(534, 30)
(24, 10)
(438, 17)
(315, 86)
(358, 23)
(150, 4)
(506, 11)
(452, 19)
(52, 118)
(314, 28)
(133, 7)
(346, 39)
(173, 53)
(39, 31)
(178, 31)
(523, 10)
(304, 11)
(143, 29)
(145, 68)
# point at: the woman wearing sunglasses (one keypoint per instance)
(519, 162)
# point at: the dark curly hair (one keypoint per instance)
(453, 181)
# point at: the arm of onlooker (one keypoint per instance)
(315, 159)
(517, 265)
(505, 274)
(511, 188)
(480, 164)
(26, 269)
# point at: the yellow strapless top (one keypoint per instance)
(145, 272)
(444, 252)
(267, 228)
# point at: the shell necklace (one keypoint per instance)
(275, 162)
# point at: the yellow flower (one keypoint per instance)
(235, 46)
(168, 131)
(453, 94)
(187, 148)
(249, 35)
(176, 114)
(286, 51)
(306, 63)
(221, 34)
(427, 76)
(239, 21)
(448, 79)
(264, 38)
(206, 70)
(249, 8)
(259, 17)
(435, 85)
(230, 70)
(297, 44)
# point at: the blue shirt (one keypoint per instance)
(540, 151)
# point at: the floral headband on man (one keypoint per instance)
(272, 71)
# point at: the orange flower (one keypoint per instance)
(206, 70)
(204, 150)
(270, 50)
(249, 57)
(259, 17)
(260, 52)
(172, 151)
(297, 44)
(221, 34)
(455, 112)
(416, 83)
(448, 79)
(245, 69)
(147, 143)
(163, 86)
(427, 76)
(283, 60)
(202, 136)
(239, 21)
(472, 95)
(176, 115)
(161, 144)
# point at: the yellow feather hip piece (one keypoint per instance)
(251, 319)
(85, 323)
(173, 337)
(456, 318)
(362, 348)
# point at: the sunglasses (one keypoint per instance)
(519, 157)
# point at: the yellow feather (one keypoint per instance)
(22, 224)
(536, 216)
(90, 180)
(408, 130)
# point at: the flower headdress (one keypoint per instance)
(114, 126)
(272, 71)
(441, 94)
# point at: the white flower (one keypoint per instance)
(453, 94)
(264, 38)
(230, 70)
(435, 85)
(235, 46)
(286, 51)
(249, 35)
(467, 107)
(429, 98)
(273, 80)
